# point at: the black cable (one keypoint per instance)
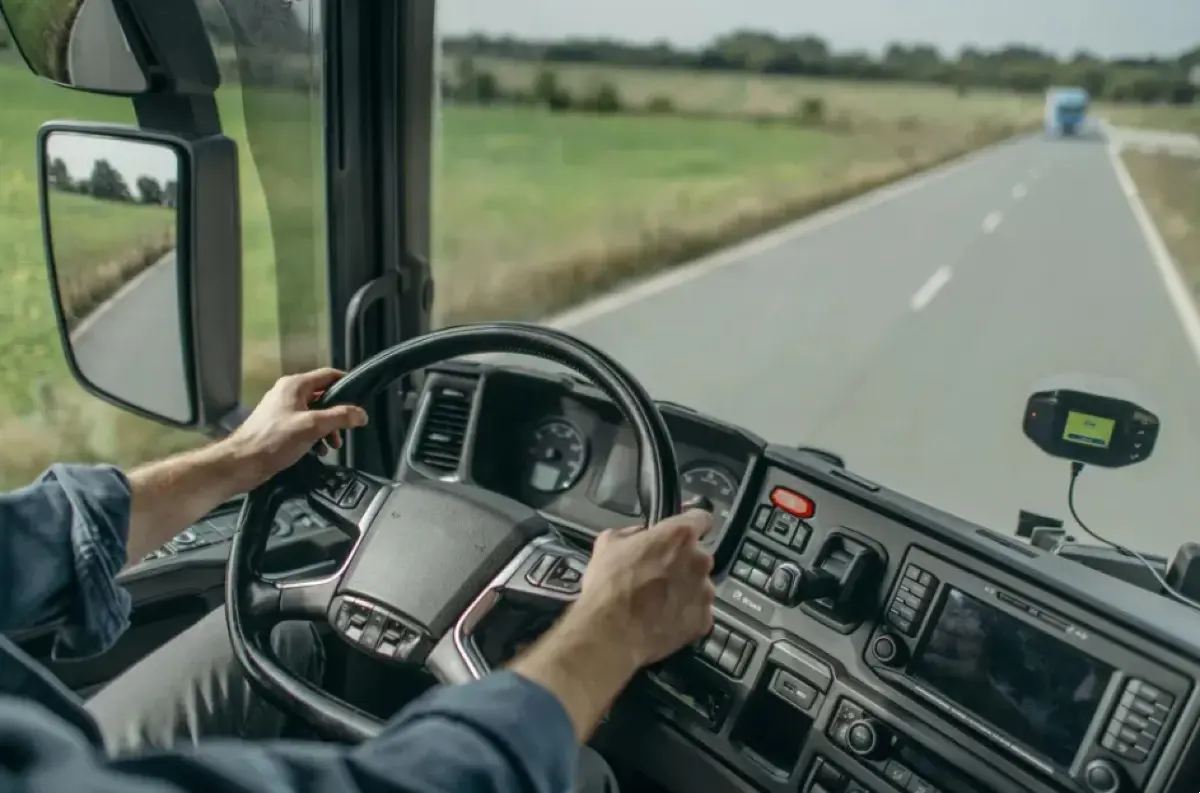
(1076, 469)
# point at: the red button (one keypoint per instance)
(793, 503)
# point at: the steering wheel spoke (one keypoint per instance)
(307, 599)
(546, 573)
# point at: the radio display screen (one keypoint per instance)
(1040, 690)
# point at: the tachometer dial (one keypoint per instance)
(557, 456)
(714, 483)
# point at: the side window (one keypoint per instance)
(44, 415)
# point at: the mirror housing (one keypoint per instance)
(146, 276)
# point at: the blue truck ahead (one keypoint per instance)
(1066, 111)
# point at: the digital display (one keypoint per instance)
(544, 477)
(1088, 430)
(1037, 688)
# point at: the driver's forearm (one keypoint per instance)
(583, 661)
(170, 495)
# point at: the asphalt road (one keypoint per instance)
(94, 58)
(131, 346)
(906, 332)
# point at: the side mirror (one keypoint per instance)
(143, 246)
(77, 43)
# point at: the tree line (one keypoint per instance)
(1016, 67)
(106, 182)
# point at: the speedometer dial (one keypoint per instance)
(557, 456)
(714, 483)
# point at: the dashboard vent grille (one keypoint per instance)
(445, 429)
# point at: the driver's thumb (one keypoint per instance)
(338, 417)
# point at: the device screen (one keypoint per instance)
(1088, 430)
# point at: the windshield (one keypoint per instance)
(866, 237)
(582, 152)
(270, 58)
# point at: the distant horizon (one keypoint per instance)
(944, 50)
(1107, 28)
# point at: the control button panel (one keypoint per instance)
(783, 518)
(375, 631)
(1138, 720)
(767, 572)
(857, 731)
(911, 599)
(727, 650)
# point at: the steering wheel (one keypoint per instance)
(429, 558)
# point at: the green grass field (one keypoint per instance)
(533, 211)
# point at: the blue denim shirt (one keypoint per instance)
(62, 542)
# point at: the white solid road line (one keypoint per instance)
(1177, 290)
(992, 222)
(742, 252)
(1019, 192)
(923, 296)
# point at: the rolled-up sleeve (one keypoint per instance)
(503, 734)
(62, 543)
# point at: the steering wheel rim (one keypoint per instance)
(254, 604)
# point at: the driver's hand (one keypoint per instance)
(652, 587)
(282, 428)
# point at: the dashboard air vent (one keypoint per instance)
(444, 431)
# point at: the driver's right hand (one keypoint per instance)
(651, 587)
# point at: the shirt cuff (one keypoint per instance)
(100, 503)
(518, 716)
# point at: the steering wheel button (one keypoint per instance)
(375, 625)
(566, 575)
(537, 574)
(352, 495)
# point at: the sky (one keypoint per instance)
(131, 158)
(1104, 27)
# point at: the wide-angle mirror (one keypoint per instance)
(77, 43)
(112, 214)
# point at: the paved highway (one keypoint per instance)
(906, 330)
(131, 346)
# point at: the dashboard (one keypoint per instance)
(863, 641)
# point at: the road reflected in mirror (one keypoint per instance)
(79, 43)
(113, 217)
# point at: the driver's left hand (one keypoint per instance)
(282, 428)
